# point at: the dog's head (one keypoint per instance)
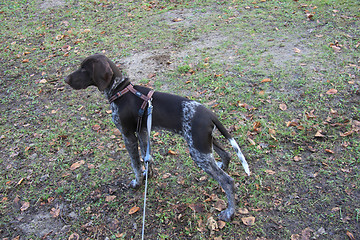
(95, 70)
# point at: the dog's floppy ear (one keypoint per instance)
(102, 74)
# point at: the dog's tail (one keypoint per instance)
(233, 143)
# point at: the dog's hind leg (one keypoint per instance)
(224, 155)
(207, 162)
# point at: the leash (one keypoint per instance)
(147, 159)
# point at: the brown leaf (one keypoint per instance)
(297, 158)
(171, 152)
(270, 172)
(134, 210)
(243, 211)
(212, 224)
(329, 151)
(166, 175)
(272, 131)
(96, 127)
(25, 206)
(220, 205)
(310, 115)
(221, 224)
(110, 198)
(25, 61)
(319, 134)
(283, 106)
(350, 235)
(248, 221)
(306, 233)
(295, 237)
(331, 91)
(177, 20)
(265, 80)
(296, 50)
(346, 133)
(55, 212)
(76, 165)
(252, 142)
(74, 236)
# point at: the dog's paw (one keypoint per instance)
(221, 165)
(134, 184)
(227, 215)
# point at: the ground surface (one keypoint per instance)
(283, 76)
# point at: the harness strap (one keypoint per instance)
(118, 95)
(146, 98)
(142, 109)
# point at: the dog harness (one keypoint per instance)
(146, 98)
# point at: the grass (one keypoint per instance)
(220, 53)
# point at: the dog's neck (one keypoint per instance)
(117, 84)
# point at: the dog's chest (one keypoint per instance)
(116, 115)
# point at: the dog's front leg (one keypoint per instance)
(131, 144)
(143, 141)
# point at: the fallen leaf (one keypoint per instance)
(248, 221)
(91, 166)
(297, 158)
(296, 50)
(96, 127)
(20, 181)
(74, 236)
(110, 198)
(221, 224)
(350, 235)
(270, 172)
(166, 175)
(243, 211)
(272, 131)
(172, 152)
(55, 212)
(177, 20)
(266, 80)
(319, 134)
(220, 205)
(25, 206)
(25, 61)
(252, 142)
(212, 224)
(331, 91)
(292, 123)
(295, 237)
(283, 106)
(77, 165)
(310, 115)
(329, 151)
(134, 210)
(306, 233)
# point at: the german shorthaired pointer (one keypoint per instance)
(178, 114)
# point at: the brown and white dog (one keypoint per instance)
(170, 112)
